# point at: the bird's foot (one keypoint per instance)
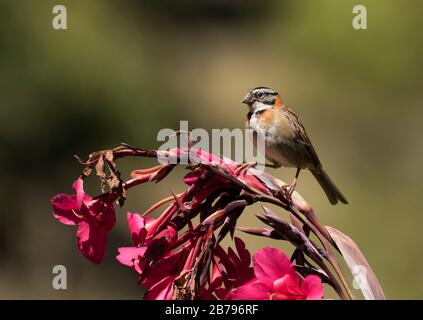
(287, 190)
(286, 193)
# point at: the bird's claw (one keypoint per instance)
(287, 190)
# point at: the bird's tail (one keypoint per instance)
(332, 192)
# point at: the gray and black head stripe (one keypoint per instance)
(264, 90)
(268, 94)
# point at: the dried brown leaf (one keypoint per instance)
(358, 265)
(99, 167)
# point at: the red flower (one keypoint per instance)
(229, 270)
(150, 258)
(276, 279)
(94, 217)
(138, 227)
(150, 248)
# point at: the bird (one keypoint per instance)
(285, 138)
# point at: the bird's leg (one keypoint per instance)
(294, 183)
(288, 189)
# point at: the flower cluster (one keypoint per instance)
(175, 257)
(93, 216)
(276, 279)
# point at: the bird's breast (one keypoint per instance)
(273, 127)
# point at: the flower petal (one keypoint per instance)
(312, 287)
(216, 278)
(206, 294)
(221, 293)
(162, 290)
(243, 253)
(271, 264)
(78, 186)
(103, 210)
(253, 291)
(171, 264)
(91, 241)
(191, 177)
(137, 226)
(63, 205)
(129, 256)
(288, 287)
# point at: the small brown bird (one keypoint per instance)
(286, 141)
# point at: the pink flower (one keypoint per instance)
(229, 270)
(150, 256)
(132, 256)
(276, 279)
(93, 216)
(158, 278)
(162, 290)
(138, 227)
(147, 249)
(236, 264)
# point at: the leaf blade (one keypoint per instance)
(356, 261)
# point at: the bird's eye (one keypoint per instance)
(260, 95)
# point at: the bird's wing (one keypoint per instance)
(302, 137)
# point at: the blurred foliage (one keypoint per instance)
(124, 70)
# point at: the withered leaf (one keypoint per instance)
(184, 287)
(114, 181)
(99, 167)
(358, 265)
(109, 175)
(87, 171)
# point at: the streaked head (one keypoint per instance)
(261, 98)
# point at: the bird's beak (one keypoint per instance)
(247, 99)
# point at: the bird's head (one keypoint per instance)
(262, 98)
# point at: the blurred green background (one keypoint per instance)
(126, 69)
